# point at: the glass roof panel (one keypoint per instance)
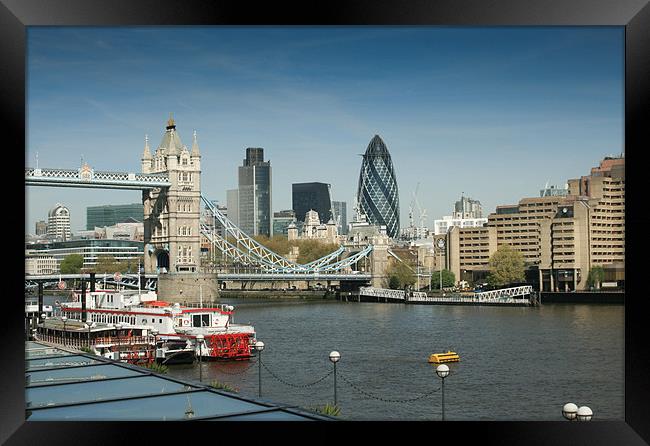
(67, 361)
(100, 390)
(44, 351)
(79, 374)
(155, 408)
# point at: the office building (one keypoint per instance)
(41, 228)
(128, 251)
(311, 197)
(282, 220)
(58, 223)
(111, 214)
(232, 203)
(561, 237)
(254, 194)
(377, 194)
(467, 208)
(553, 191)
(340, 217)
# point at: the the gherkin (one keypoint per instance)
(377, 195)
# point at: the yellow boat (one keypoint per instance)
(444, 357)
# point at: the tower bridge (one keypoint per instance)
(170, 183)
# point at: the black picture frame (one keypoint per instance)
(634, 15)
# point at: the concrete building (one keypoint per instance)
(467, 208)
(58, 223)
(91, 250)
(254, 196)
(560, 236)
(313, 229)
(38, 263)
(232, 203)
(467, 213)
(41, 227)
(443, 225)
(111, 214)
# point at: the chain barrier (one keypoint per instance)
(385, 399)
(349, 383)
(295, 385)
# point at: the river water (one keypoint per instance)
(516, 363)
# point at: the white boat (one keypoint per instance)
(170, 323)
(132, 344)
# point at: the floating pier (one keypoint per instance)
(514, 296)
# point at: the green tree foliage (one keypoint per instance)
(110, 265)
(506, 266)
(399, 276)
(72, 264)
(448, 279)
(595, 276)
(309, 250)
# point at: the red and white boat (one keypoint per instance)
(171, 323)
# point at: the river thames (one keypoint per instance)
(517, 363)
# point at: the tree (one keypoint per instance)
(109, 265)
(399, 275)
(72, 264)
(448, 279)
(506, 266)
(595, 276)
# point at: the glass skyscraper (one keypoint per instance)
(312, 197)
(110, 214)
(339, 208)
(254, 197)
(377, 195)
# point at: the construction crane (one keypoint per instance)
(422, 213)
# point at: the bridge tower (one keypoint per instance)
(172, 246)
(379, 260)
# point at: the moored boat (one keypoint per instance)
(171, 324)
(440, 358)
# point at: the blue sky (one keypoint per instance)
(491, 112)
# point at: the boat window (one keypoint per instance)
(160, 321)
(201, 320)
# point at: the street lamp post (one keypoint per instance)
(199, 343)
(441, 246)
(64, 318)
(574, 413)
(259, 346)
(43, 332)
(443, 371)
(335, 357)
(154, 332)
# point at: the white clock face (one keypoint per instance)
(441, 243)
